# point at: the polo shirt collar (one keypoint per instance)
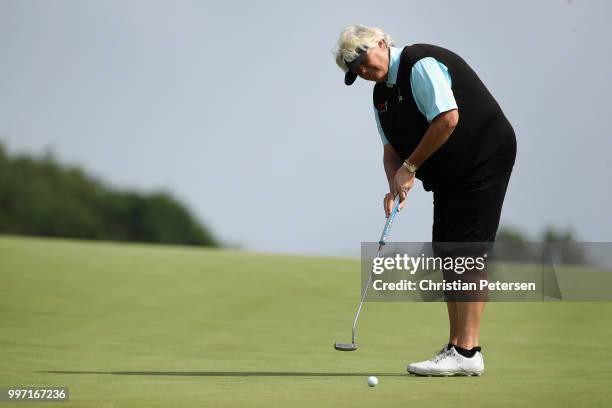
(394, 62)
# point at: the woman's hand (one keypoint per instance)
(402, 183)
(388, 203)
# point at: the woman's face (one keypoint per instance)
(375, 65)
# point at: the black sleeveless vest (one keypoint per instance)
(482, 134)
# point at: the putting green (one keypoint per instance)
(125, 325)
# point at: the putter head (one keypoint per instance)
(345, 346)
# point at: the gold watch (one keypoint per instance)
(411, 167)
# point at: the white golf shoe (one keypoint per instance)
(411, 366)
(449, 363)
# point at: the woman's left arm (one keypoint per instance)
(440, 129)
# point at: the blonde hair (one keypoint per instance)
(355, 37)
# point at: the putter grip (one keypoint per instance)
(387, 228)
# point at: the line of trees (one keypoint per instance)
(39, 196)
(555, 245)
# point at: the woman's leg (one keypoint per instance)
(453, 322)
(464, 323)
(489, 205)
(469, 315)
(471, 215)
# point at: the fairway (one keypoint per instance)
(128, 325)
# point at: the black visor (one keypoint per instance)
(351, 75)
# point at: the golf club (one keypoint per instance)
(352, 346)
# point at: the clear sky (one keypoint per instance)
(239, 109)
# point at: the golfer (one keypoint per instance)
(438, 123)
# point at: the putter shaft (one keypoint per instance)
(381, 244)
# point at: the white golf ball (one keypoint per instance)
(372, 381)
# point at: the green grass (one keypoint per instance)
(126, 325)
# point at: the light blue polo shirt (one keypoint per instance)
(431, 87)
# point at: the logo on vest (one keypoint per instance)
(382, 107)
